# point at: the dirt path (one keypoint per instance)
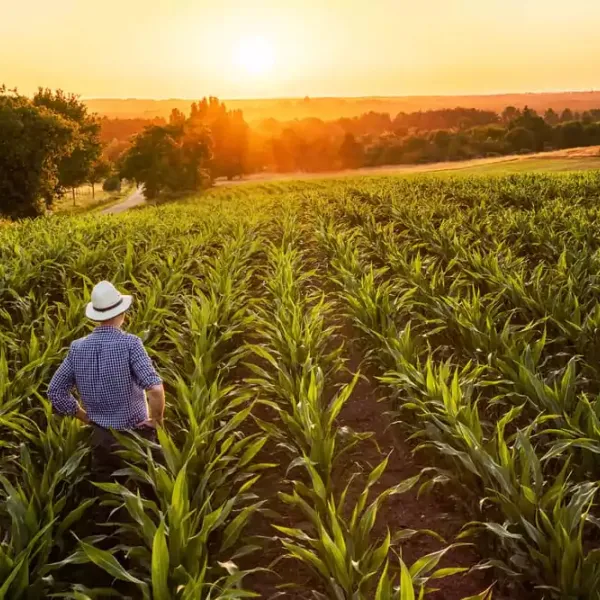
(135, 199)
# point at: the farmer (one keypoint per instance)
(111, 371)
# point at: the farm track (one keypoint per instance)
(134, 200)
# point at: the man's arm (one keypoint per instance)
(148, 379)
(60, 394)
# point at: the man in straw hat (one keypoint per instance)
(113, 375)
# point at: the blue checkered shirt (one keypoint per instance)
(110, 369)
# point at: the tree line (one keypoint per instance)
(376, 139)
(50, 144)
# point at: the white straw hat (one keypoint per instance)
(107, 302)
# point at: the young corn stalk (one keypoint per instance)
(296, 359)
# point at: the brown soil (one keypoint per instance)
(366, 411)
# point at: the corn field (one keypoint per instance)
(377, 388)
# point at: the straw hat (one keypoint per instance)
(107, 302)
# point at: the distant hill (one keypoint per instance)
(334, 108)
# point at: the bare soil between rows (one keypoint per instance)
(366, 411)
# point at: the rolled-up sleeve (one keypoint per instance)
(61, 387)
(142, 369)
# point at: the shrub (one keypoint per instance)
(112, 184)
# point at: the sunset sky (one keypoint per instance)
(272, 48)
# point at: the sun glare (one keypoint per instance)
(255, 55)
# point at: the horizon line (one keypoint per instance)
(367, 97)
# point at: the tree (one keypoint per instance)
(170, 157)
(445, 118)
(33, 142)
(570, 135)
(520, 139)
(351, 152)
(487, 133)
(509, 114)
(75, 167)
(229, 133)
(99, 171)
(566, 115)
(112, 184)
(115, 149)
(441, 138)
(531, 121)
(586, 117)
(592, 133)
(176, 117)
(551, 117)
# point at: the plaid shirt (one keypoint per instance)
(110, 369)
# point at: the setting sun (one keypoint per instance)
(255, 55)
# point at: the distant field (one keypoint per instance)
(574, 159)
(534, 165)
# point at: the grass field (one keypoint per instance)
(376, 388)
(534, 165)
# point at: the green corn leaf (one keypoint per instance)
(308, 557)
(485, 595)
(160, 565)
(384, 586)
(106, 561)
(407, 591)
(7, 583)
(424, 565)
(74, 516)
(234, 529)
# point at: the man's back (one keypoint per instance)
(111, 370)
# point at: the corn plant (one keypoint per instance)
(40, 508)
(340, 549)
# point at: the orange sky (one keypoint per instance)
(191, 48)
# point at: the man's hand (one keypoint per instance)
(156, 404)
(82, 415)
(151, 423)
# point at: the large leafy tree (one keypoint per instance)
(34, 140)
(99, 171)
(171, 157)
(529, 120)
(351, 152)
(229, 133)
(77, 166)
